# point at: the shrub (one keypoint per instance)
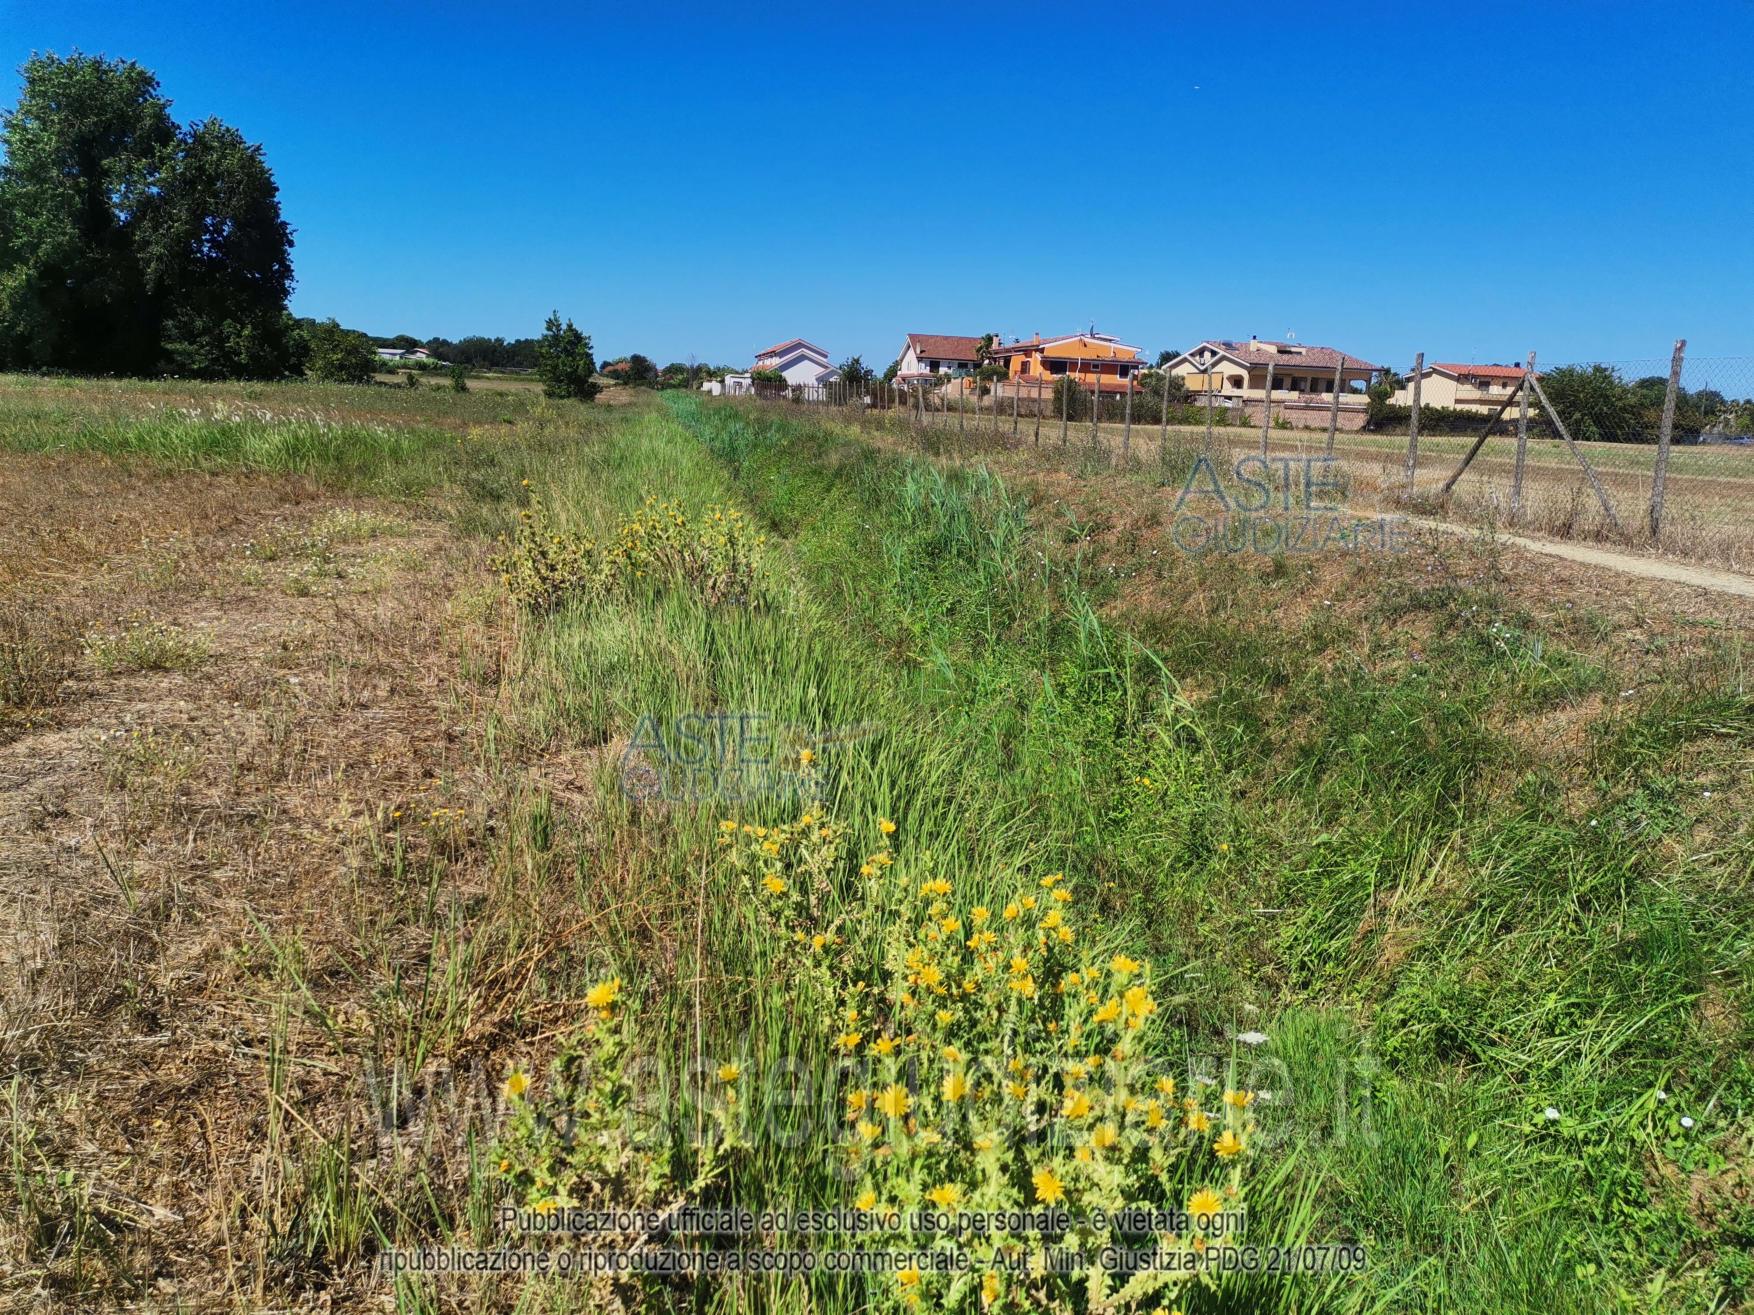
(459, 379)
(337, 355)
(718, 558)
(996, 1064)
(564, 361)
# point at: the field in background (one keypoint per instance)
(1709, 511)
(308, 837)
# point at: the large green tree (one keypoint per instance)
(128, 246)
(84, 147)
(219, 256)
(564, 361)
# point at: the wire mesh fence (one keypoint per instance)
(1655, 452)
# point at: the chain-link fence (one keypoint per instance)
(1652, 452)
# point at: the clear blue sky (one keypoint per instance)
(1471, 182)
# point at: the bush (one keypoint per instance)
(459, 379)
(337, 355)
(719, 558)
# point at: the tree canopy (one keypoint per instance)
(129, 245)
(564, 361)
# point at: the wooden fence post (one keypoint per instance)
(1127, 425)
(1522, 443)
(1209, 406)
(1413, 423)
(1659, 476)
(1037, 392)
(1576, 451)
(1334, 404)
(1065, 404)
(1267, 411)
(1014, 415)
(1163, 423)
(1474, 448)
(1096, 410)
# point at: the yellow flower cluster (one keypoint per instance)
(1002, 1063)
(717, 556)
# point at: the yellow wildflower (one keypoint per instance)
(945, 1196)
(602, 995)
(517, 1084)
(1227, 1145)
(1048, 1187)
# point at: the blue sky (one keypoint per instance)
(1471, 182)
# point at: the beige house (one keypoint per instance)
(1235, 374)
(1463, 387)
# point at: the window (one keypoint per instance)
(1056, 367)
(1023, 366)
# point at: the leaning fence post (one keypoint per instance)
(1665, 435)
(1334, 403)
(1413, 423)
(1522, 442)
(1576, 451)
(1267, 411)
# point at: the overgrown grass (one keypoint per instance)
(1348, 842)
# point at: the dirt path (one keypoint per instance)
(1645, 568)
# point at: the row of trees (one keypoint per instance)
(129, 244)
(1596, 402)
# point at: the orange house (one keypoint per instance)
(1098, 361)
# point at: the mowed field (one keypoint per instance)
(335, 885)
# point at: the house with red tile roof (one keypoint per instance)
(1101, 362)
(1463, 387)
(926, 354)
(1234, 373)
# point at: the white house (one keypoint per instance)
(926, 354)
(803, 363)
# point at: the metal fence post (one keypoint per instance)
(1413, 423)
(1267, 412)
(1522, 444)
(1659, 476)
(1334, 403)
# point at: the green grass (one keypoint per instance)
(1444, 926)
